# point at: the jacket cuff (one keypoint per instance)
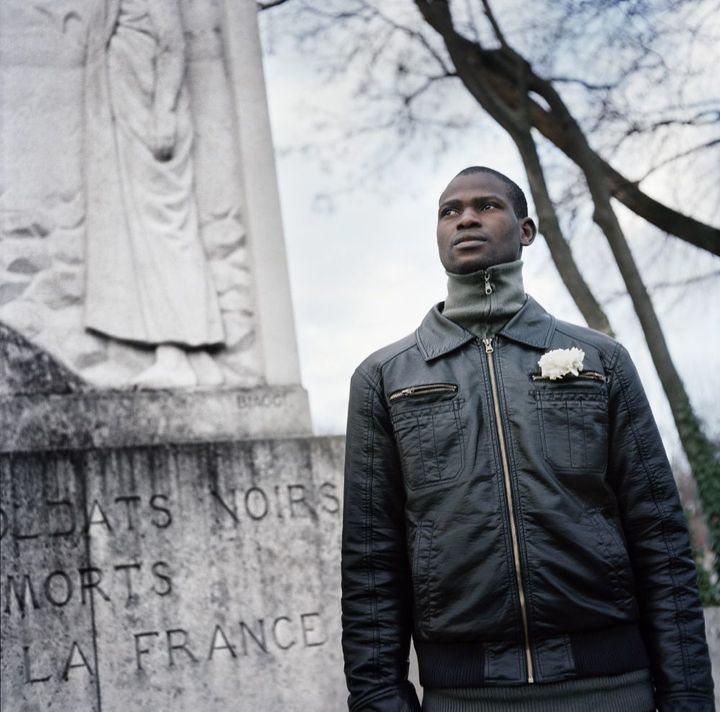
(685, 702)
(402, 698)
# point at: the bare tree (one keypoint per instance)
(410, 56)
(505, 91)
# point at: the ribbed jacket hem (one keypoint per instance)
(629, 692)
(598, 653)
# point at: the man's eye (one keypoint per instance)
(447, 211)
(487, 206)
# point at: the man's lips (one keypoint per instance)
(468, 237)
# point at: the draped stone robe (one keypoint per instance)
(147, 276)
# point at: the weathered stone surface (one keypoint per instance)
(16, 251)
(24, 224)
(59, 289)
(27, 370)
(185, 577)
(44, 623)
(68, 247)
(225, 276)
(235, 376)
(126, 417)
(28, 265)
(240, 333)
(11, 290)
(222, 237)
(68, 209)
(235, 299)
(86, 350)
(28, 316)
(89, 360)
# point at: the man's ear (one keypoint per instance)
(527, 226)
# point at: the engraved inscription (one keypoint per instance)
(268, 635)
(291, 501)
(48, 519)
(160, 569)
(25, 592)
(178, 647)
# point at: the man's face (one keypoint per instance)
(477, 227)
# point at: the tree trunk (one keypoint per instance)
(558, 246)
(703, 456)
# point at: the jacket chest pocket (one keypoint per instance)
(573, 428)
(430, 440)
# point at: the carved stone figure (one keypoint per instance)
(147, 276)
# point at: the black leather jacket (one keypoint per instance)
(520, 529)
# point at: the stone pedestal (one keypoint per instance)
(158, 552)
(183, 576)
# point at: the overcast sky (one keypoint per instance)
(364, 268)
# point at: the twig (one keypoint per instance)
(270, 3)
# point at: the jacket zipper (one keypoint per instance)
(423, 390)
(488, 286)
(510, 508)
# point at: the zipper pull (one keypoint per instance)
(488, 286)
(488, 345)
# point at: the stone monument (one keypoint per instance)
(169, 528)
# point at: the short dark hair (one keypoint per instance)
(517, 197)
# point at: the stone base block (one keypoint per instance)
(93, 419)
(189, 576)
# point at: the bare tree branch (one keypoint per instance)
(269, 4)
(678, 156)
(429, 82)
(494, 24)
(591, 86)
(668, 284)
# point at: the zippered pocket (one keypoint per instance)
(582, 376)
(429, 433)
(420, 572)
(423, 390)
(614, 551)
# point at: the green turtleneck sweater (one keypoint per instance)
(484, 301)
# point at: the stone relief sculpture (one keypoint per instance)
(147, 277)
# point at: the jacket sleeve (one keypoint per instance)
(376, 598)
(671, 616)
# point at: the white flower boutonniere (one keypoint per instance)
(559, 362)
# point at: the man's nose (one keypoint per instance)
(469, 217)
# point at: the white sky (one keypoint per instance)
(364, 267)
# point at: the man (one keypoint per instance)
(520, 521)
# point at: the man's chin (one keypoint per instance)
(476, 263)
(467, 266)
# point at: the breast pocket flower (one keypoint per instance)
(560, 362)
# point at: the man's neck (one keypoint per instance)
(484, 301)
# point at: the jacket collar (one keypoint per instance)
(437, 335)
